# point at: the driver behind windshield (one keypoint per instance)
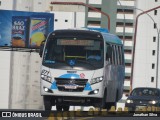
(94, 55)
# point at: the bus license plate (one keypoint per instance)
(70, 86)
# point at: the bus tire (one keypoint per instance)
(66, 108)
(47, 106)
(110, 104)
(103, 103)
(117, 96)
(59, 107)
(47, 103)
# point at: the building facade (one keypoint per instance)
(26, 5)
(121, 13)
(146, 65)
(6, 4)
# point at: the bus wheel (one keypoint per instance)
(103, 101)
(47, 103)
(110, 104)
(66, 108)
(59, 107)
(47, 106)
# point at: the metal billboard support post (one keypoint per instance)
(86, 5)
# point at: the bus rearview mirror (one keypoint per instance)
(109, 52)
(41, 48)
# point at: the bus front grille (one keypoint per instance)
(71, 85)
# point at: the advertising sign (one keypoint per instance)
(38, 30)
(24, 29)
(20, 28)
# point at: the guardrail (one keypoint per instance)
(96, 112)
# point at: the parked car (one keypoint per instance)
(143, 96)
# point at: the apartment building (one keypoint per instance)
(121, 13)
(125, 17)
(146, 65)
(6, 4)
(26, 5)
(68, 16)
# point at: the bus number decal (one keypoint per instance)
(45, 72)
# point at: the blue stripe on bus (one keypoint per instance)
(54, 86)
(112, 38)
(88, 86)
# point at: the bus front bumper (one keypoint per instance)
(96, 91)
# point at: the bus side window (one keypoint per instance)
(122, 55)
(118, 55)
(115, 55)
(114, 60)
(109, 53)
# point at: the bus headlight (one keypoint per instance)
(94, 92)
(47, 90)
(153, 102)
(96, 80)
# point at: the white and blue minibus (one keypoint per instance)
(81, 67)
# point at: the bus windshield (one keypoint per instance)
(74, 53)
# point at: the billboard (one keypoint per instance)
(20, 29)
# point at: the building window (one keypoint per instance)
(0, 3)
(39, 3)
(156, 0)
(94, 23)
(153, 65)
(56, 20)
(155, 12)
(153, 52)
(154, 39)
(152, 79)
(155, 25)
(66, 20)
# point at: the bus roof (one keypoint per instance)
(98, 29)
(110, 38)
(107, 36)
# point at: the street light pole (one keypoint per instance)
(157, 59)
(135, 34)
(87, 5)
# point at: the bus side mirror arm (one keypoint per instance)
(40, 53)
